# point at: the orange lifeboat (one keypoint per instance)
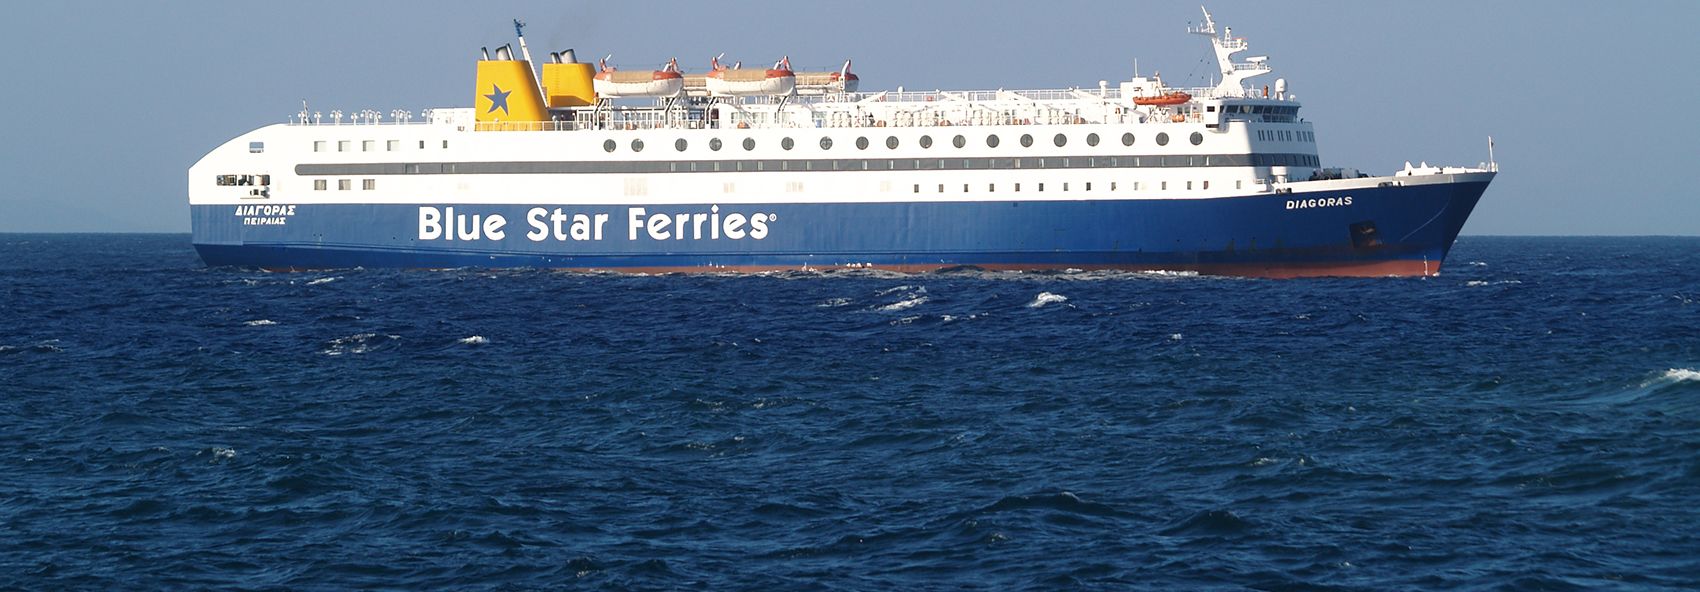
(737, 82)
(1164, 100)
(612, 83)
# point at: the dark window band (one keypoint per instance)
(818, 164)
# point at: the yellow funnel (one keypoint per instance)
(569, 85)
(507, 94)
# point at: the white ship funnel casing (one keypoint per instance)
(568, 57)
(505, 53)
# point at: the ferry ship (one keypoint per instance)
(595, 167)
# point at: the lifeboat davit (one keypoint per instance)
(1174, 98)
(737, 82)
(613, 84)
(823, 83)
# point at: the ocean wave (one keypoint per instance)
(1478, 283)
(260, 323)
(1045, 298)
(41, 347)
(358, 343)
(474, 340)
(1673, 376)
(834, 303)
(324, 280)
(904, 304)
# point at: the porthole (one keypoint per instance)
(992, 141)
(959, 141)
(714, 144)
(787, 144)
(1091, 139)
(637, 145)
(826, 143)
(926, 141)
(891, 142)
(749, 143)
(1026, 140)
(1060, 140)
(1197, 138)
(1127, 139)
(680, 144)
(608, 146)
(1163, 139)
(862, 143)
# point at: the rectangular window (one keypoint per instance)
(1189, 185)
(421, 144)
(318, 145)
(319, 184)
(392, 145)
(1164, 186)
(1065, 186)
(941, 187)
(256, 147)
(1206, 184)
(445, 144)
(344, 184)
(342, 146)
(368, 184)
(1237, 183)
(965, 188)
(991, 188)
(1088, 186)
(917, 188)
(368, 145)
(1112, 185)
(1041, 187)
(1018, 187)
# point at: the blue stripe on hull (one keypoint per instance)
(1239, 235)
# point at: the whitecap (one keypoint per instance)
(834, 303)
(474, 340)
(1045, 298)
(890, 290)
(1174, 337)
(355, 344)
(260, 323)
(1681, 375)
(323, 281)
(904, 304)
(1479, 283)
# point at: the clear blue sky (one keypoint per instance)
(1591, 104)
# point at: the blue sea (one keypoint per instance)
(1528, 420)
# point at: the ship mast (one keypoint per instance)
(1233, 73)
(519, 31)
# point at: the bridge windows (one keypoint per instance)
(256, 147)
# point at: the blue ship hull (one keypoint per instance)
(1376, 231)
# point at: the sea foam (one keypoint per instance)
(1045, 298)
